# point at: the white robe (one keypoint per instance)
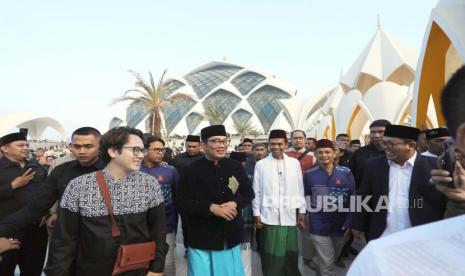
(278, 191)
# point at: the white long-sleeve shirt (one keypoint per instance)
(279, 191)
(399, 185)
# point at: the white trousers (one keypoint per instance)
(170, 268)
(246, 255)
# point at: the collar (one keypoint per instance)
(191, 156)
(147, 168)
(270, 157)
(302, 150)
(374, 148)
(213, 162)
(99, 164)
(429, 153)
(410, 161)
(5, 163)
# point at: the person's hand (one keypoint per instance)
(359, 235)
(301, 221)
(230, 205)
(457, 194)
(51, 221)
(22, 180)
(8, 244)
(226, 213)
(150, 273)
(257, 222)
(347, 232)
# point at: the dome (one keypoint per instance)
(237, 94)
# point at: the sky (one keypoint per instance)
(68, 59)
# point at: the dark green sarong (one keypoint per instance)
(279, 251)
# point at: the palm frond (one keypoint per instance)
(213, 115)
(243, 127)
(149, 96)
(140, 82)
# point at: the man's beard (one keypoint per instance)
(377, 145)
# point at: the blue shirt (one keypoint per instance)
(168, 179)
(340, 185)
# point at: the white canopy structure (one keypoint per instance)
(35, 124)
(375, 87)
(385, 58)
(443, 52)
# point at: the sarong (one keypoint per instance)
(279, 251)
(226, 262)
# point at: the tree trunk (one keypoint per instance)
(156, 121)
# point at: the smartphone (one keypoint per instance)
(446, 164)
(30, 166)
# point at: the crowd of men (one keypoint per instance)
(113, 206)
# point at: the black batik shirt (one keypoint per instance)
(83, 230)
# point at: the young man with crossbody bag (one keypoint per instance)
(111, 222)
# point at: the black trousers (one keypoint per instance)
(184, 229)
(31, 257)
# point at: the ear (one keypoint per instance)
(460, 137)
(3, 148)
(112, 152)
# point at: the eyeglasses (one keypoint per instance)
(389, 145)
(157, 150)
(218, 142)
(137, 150)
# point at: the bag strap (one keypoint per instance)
(102, 185)
(303, 155)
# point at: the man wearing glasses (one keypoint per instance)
(83, 243)
(399, 182)
(212, 192)
(168, 178)
(247, 145)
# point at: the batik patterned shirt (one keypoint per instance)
(83, 231)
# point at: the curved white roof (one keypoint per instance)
(385, 58)
(299, 110)
(34, 123)
(449, 14)
(239, 93)
(386, 100)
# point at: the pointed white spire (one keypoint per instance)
(379, 61)
(378, 21)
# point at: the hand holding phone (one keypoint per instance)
(30, 166)
(446, 163)
(23, 179)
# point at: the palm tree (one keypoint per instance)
(255, 133)
(153, 99)
(213, 115)
(244, 127)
